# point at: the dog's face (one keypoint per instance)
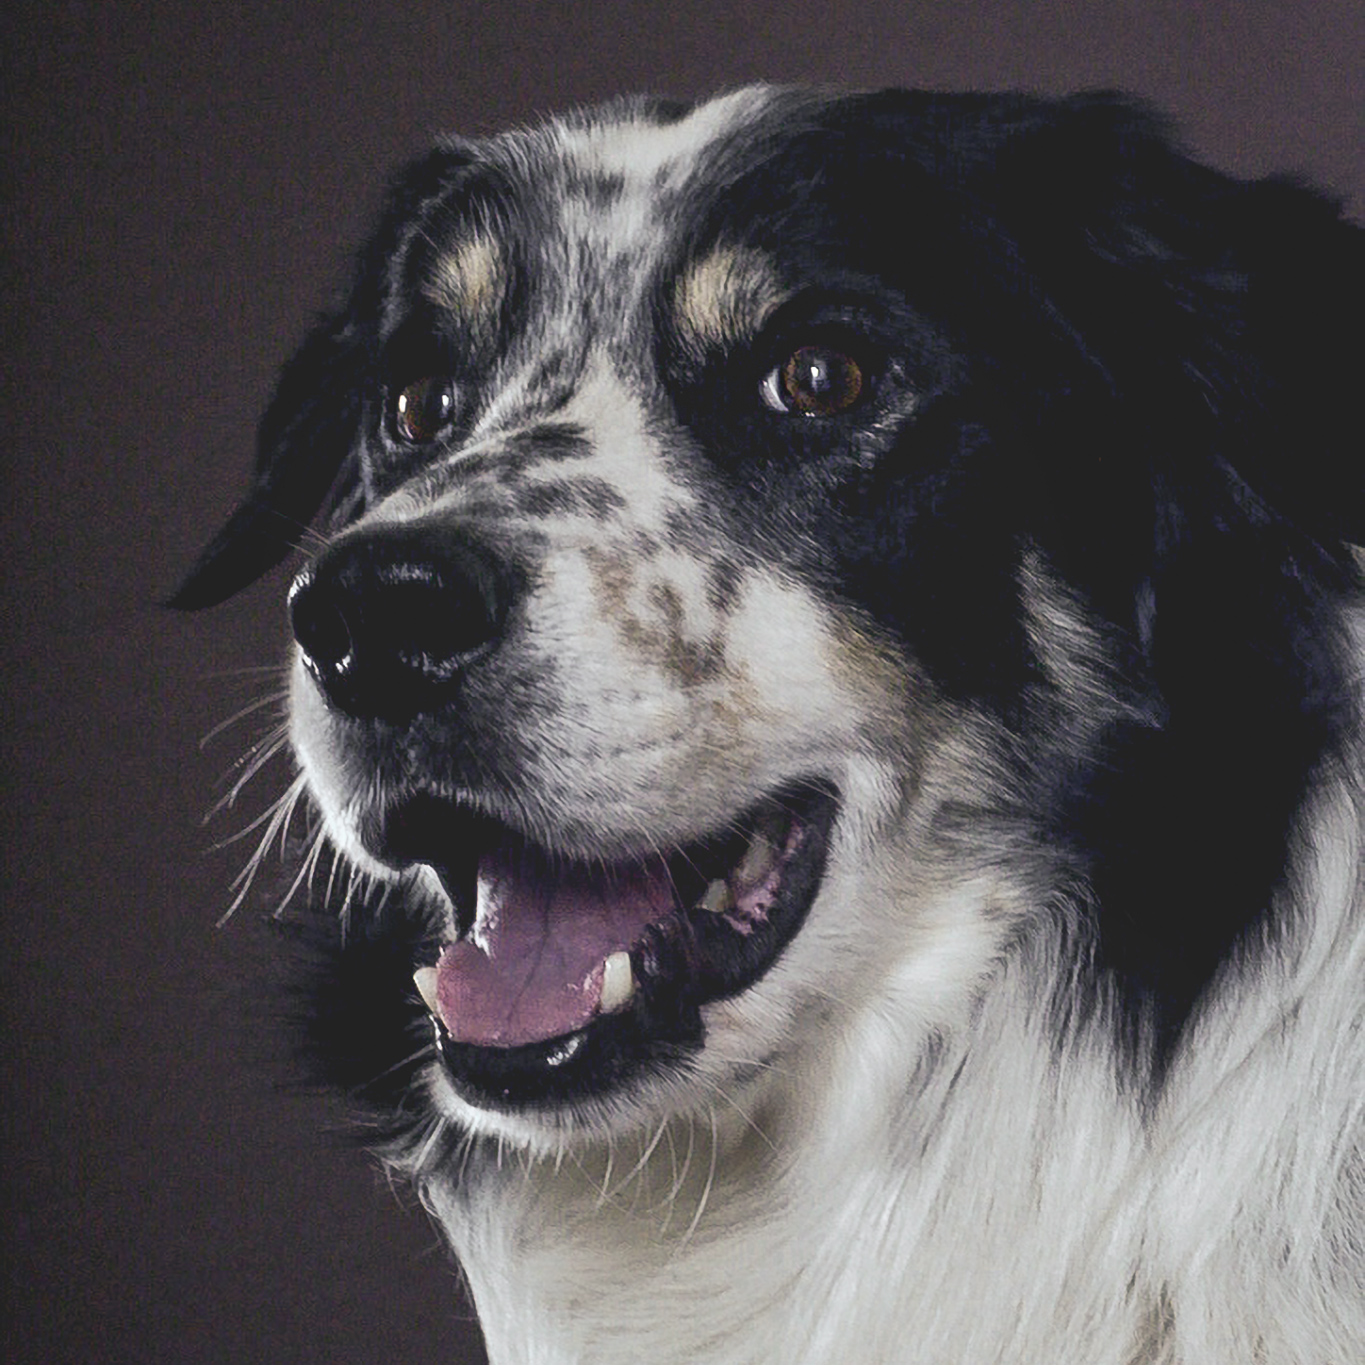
(747, 532)
(579, 673)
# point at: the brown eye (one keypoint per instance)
(815, 381)
(424, 409)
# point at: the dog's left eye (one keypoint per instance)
(422, 410)
(815, 381)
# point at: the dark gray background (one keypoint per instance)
(182, 182)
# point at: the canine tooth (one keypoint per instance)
(716, 899)
(618, 983)
(424, 978)
(758, 861)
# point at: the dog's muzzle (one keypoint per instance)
(560, 976)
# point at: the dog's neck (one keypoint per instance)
(1010, 1196)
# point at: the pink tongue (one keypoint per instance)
(534, 969)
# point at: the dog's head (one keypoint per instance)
(760, 533)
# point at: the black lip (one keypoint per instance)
(681, 964)
(658, 1032)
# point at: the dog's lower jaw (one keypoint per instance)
(794, 1216)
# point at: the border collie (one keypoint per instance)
(831, 690)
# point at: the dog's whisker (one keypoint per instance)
(704, 1196)
(675, 1178)
(320, 842)
(425, 1053)
(272, 817)
(354, 879)
(648, 1150)
(273, 698)
(604, 1193)
(306, 865)
(272, 744)
(294, 794)
(684, 1169)
(273, 670)
(276, 820)
(328, 894)
(470, 1144)
(745, 1117)
(267, 816)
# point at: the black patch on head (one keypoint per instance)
(1114, 355)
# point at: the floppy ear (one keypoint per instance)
(1231, 310)
(303, 441)
(306, 441)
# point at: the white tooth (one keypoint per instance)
(424, 978)
(758, 861)
(716, 899)
(618, 983)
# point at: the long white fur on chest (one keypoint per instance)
(1007, 1201)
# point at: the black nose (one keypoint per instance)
(389, 619)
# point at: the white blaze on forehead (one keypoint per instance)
(645, 161)
(725, 298)
(607, 187)
(640, 149)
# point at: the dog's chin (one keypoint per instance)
(576, 986)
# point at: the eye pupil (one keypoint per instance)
(424, 409)
(816, 381)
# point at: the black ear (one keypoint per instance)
(1228, 309)
(305, 447)
(304, 439)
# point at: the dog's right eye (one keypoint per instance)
(422, 410)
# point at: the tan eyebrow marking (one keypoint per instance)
(725, 297)
(469, 279)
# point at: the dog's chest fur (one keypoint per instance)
(1006, 1204)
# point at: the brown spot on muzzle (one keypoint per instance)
(662, 640)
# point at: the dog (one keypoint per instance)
(831, 678)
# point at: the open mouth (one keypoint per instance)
(568, 977)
